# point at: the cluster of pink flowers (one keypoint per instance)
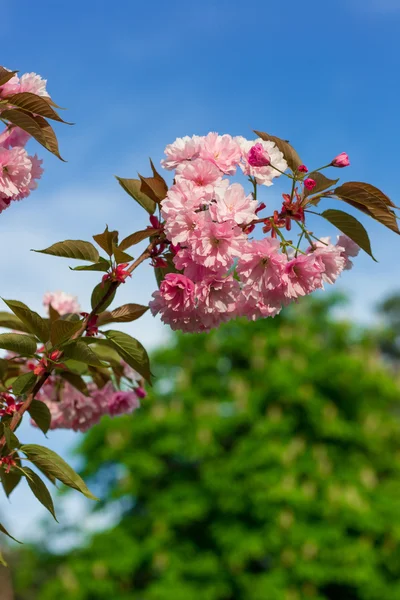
(19, 172)
(221, 272)
(70, 408)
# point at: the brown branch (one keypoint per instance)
(40, 382)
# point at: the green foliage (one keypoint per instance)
(50, 463)
(351, 227)
(265, 465)
(40, 413)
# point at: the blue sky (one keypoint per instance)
(136, 75)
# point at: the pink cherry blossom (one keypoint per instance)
(176, 294)
(217, 244)
(263, 175)
(309, 183)
(203, 173)
(349, 248)
(341, 160)
(258, 156)
(63, 303)
(261, 267)
(11, 87)
(303, 275)
(15, 171)
(233, 204)
(222, 150)
(33, 83)
(216, 299)
(330, 258)
(14, 136)
(120, 403)
(183, 149)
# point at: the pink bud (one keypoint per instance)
(341, 160)
(302, 169)
(258, 157)
(140, 392)
(309, 183)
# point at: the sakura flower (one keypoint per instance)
(14, 136)
(216, 299)
(303, 275)
(217, 244)
(233, 204)
(36, 173)
(33, 83)
(15, 171)
(263, 175)
(183, 261)
(203, 173)
(330, 258)
(258, 156)
(183, 149)
(222, 150)
(175, 301)
(11, 87)
(349, 248)
(63, 303)
(121, 403)
(341, 160)
(261, 267)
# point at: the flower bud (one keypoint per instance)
(309, 183)
(341, 160)
(302, 169)
(258, 157)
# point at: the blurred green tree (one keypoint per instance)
(265, 465)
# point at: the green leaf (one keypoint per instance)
(122, 314)
(79, 351)
(105, 351)
(100, 292)
(369, 200)
(39, 489)
(132, 187)
(292, 158)
(49, 462)
(12, 322)
(76, 381)
(3, 367)
(11, 439)
(30, 318)
(62, 331)
(2, 561)
(103, 265)
(351, 227)
(53, 314)
(39, 411)
(19, 343)
(76, 249)
(35, 104)
(121, 257)
(137, 237)
(26, 122)
(106, 240)
(24, 383)
(131, 351)
(10, 480)
(4, 530)
(323, 183)
(75, 366)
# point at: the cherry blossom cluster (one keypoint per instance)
(69, 407)
(221, 270)
(19, 172)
